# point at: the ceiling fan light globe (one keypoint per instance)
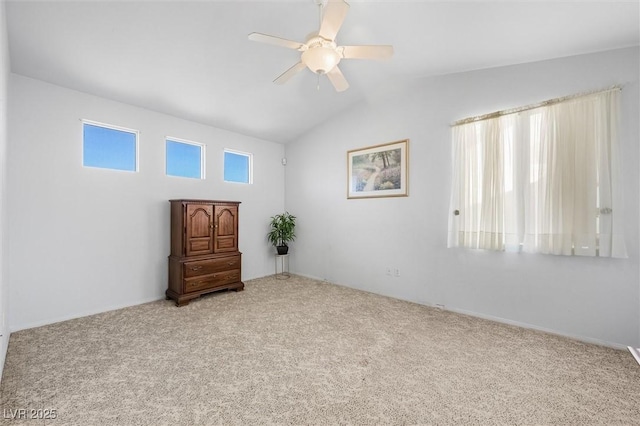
(320, 59)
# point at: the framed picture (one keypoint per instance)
(378, 171)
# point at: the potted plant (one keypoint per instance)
(282, 231)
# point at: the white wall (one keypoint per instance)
(352, 242)
(86, 240)
(4, 282)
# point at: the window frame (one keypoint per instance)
(250, 166)
(186, 142)
(117, 128)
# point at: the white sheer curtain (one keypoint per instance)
(483, 200)
(542, 180)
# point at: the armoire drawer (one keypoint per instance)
(209, 266)
(211, 281)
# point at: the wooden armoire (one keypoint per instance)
(204, 249)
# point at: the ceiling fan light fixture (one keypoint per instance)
(320, 59)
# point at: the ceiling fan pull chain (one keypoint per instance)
(318, 82)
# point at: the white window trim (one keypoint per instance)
(188, 142)
(247, 154)
(112, 127)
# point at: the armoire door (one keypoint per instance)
(226, 228)
(199, 229)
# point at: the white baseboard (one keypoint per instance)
(507, 321)
(4, 346)
(543, 329)
(635, 352)
(312, 277)
(41, 323)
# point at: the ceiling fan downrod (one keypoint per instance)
(319, 3)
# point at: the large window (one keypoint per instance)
(540, 180)
(238, 166)
(184, 158)
(109, 147)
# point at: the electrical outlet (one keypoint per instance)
(396, 272)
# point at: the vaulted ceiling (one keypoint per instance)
(193, 59)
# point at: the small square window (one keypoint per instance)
(184, 158)
(237, 166)
(109, 147)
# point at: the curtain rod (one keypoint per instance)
(532, 106)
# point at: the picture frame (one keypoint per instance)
(378, 171)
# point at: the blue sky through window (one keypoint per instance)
(236, 167)
(109, 148)
(184, 159)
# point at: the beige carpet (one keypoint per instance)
(306, 352)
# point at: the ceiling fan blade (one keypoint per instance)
(334, 14)
(277, 41)
(367, 52)
(337, 79)
(285, 76)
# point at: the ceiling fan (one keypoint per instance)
(320, 53)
